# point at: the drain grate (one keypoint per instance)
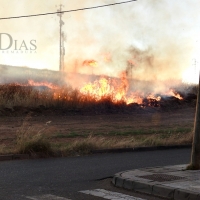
(161, 177)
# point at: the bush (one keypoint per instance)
(32, 140)
(34, 146)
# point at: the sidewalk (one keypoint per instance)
(171, 182)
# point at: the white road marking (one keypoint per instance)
(109, 195)
(47, 197)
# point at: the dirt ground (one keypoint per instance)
(72, 125)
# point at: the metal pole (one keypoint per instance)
(195, 157)
(60, 35)
(60, 38)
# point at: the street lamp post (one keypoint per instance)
(61, 42)
(195, 156)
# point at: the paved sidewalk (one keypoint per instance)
(171, 182)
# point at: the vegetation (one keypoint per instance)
(32, 140)
(14, 95)
(44, 141)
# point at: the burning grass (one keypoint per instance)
(27, 96)
(102, 96)
(143, 124)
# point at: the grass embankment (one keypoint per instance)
(45, 142)
(80, 144)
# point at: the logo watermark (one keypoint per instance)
(10, 45)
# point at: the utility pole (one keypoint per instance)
(195, 65)
(62, 38)
(195, 157)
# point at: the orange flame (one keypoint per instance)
(115, 89)
(49, 85)
(151, 96)
(175, 94)
(91, 63)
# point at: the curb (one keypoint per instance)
(153, 188)
(119, 150)
(14, 157)
(136, 149)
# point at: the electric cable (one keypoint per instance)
(67, 11)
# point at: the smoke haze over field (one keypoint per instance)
(160, 37)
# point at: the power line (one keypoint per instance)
(67, 11)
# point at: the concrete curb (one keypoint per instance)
(14, 157)
(122, 150)
(155, 189)
(119, 150)
(132, 180)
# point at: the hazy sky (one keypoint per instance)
(160, 36)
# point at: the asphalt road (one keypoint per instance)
(65, 177)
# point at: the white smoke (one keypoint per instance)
(160, 36)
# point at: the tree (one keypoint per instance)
(195, 156)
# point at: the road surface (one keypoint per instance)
(78, 177)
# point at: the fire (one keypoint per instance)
(134, 98)
(98, 89)
(114, 89)
(174, 94)
(91, 63)
(38, 84)
(151, 96)
(105, 87)
(56, 90)
(117, 90)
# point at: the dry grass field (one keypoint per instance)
(72, 133)
(65, 122)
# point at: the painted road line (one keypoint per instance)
(109, 195)
(47, 197)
